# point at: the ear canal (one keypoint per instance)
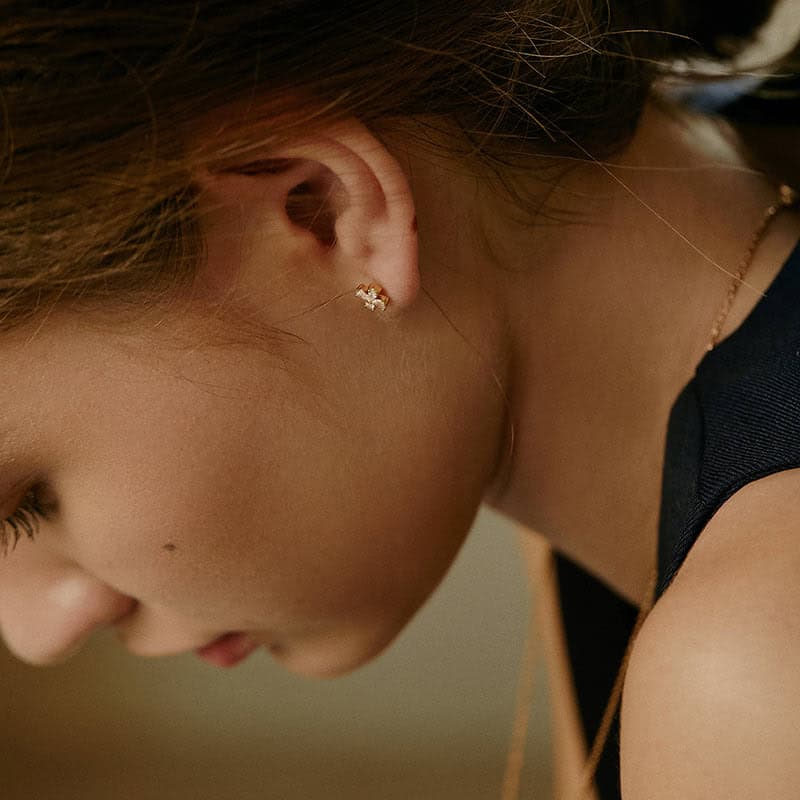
(313, 194)
(314, 205)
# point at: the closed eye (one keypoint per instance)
(25, 520)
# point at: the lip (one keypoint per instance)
(227, 650)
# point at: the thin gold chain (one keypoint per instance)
(522, 706)
(599, 743)
(787, 197)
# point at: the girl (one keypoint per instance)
(289, 290)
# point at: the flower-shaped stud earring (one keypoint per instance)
(372, 296)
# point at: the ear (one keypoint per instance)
(344, 196)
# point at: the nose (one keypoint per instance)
(46, 614)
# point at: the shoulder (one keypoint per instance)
(711, 704)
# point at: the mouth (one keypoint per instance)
(227, 650)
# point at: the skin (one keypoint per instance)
(271, 471)
(711, 694)
(313, 492)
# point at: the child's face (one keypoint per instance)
(312, 499)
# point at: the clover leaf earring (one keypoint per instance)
(372, 296)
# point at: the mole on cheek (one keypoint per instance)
(171, 547)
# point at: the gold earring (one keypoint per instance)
(372, 296)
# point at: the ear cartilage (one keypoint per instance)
(372, 296)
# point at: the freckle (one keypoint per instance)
(171, 547)
(414, 224)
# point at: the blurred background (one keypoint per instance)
(431, 719)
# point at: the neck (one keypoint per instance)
(609, 318)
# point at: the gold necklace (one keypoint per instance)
(787, 197)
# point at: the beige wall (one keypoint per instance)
(429, 720)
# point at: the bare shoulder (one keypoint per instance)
(711, 704)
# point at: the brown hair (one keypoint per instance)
(100, 100)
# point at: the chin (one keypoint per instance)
(331, 658)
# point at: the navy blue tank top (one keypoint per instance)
(737, 420)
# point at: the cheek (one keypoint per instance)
(361, 527)
(305, 549)
(273, 514)
(158, 501)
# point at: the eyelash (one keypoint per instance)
(25, 519)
